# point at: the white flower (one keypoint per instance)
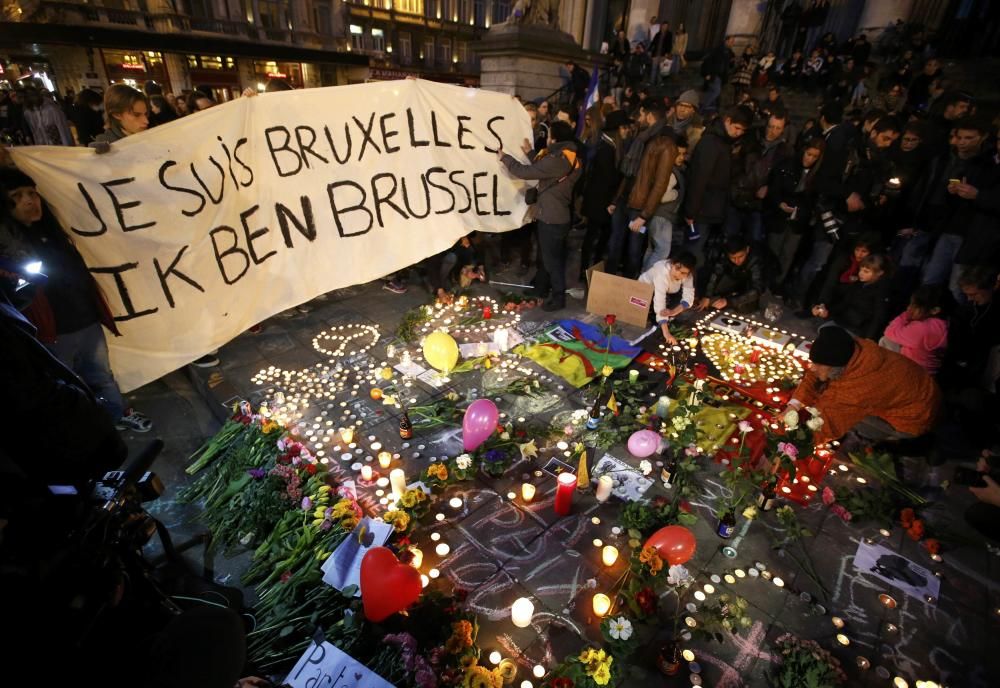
(505, 436)
(680, 422)
(813, 411)
(791, 419)
(646, 467)
(591, 583)
(580, 414)
(246, 539)
(620, 628)
(463, 461)
(677, 575)
(745, 427)
(814, 423)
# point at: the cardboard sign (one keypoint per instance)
(628, 299)
(326, 666)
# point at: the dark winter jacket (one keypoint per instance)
(728, 279)
(557, 168)
(601, 180)
(862, 308)
(709, 176)
(787, 184)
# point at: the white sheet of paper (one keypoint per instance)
(896, 570)
(327, 666)
(432, 378)
(478, 349)
(411, 369)
(343, 567)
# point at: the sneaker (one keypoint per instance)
(134, 421)
(395, 287)
(206, 361)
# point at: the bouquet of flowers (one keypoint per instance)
(591, 667)
(794, 439)
(804, 664)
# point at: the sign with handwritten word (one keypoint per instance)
(202, 227)
(326, 666)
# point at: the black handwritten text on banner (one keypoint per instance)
(200, 228)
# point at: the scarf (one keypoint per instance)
(633, 158)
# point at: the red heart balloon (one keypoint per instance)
(387, 586)
(676, 544)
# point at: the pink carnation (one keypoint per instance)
(829, 496)
(841, 511)
(789, 450)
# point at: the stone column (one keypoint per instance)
(579, 19)
(177, 71)
(745, 20)
(878, 14)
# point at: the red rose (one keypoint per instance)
(311, 468)
(562, 682)
(610, 319)
(685, 506)
(700, 371)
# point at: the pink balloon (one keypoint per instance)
(642, 443)
(479, 423)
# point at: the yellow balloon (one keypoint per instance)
(441, 350)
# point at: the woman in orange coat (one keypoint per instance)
(857, 385)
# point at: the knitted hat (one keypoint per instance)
(834, 346)
(12, 178)
(690, 97)
(616, 119)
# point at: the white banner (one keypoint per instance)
(198, 229)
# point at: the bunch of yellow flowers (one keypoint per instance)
(410, 498)
(400, 520)
(438, 470)
(597, 664)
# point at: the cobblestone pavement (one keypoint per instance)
(502, 548)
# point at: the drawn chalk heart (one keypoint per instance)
(357, 676)
(387, 586)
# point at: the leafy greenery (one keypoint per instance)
(804, 664)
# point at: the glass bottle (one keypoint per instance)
(405, 427)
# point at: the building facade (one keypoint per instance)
(223, 46)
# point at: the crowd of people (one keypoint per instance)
(877, 215)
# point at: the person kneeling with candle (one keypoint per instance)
(736, 281)
(673, 289)
(858, 386)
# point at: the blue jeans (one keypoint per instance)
(85, 352)
(625, 241)
(661, 235)
(940, 265)
(745, 223)
(814, 264)
(711, 96)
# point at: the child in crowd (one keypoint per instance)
(920, 332)
(673, 289)
(860, 307)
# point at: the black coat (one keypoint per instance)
(782, 187)
(601, 182)
(841, 143)
(861, 308)
(708, 180)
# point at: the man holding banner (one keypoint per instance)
(556, 168)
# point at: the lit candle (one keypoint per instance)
(837, 622)
(602, 604)
(384, 458)
(455, 503)
(604, 485)
(347, 435)
(398, 481)
(442, 550)
(566, 485)
(688, 655)
(527, 491)
(843, 639)
(609, 555)
(521, 612)
(633, 376)
(538, 671)
(418, 557)
(366, 473)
